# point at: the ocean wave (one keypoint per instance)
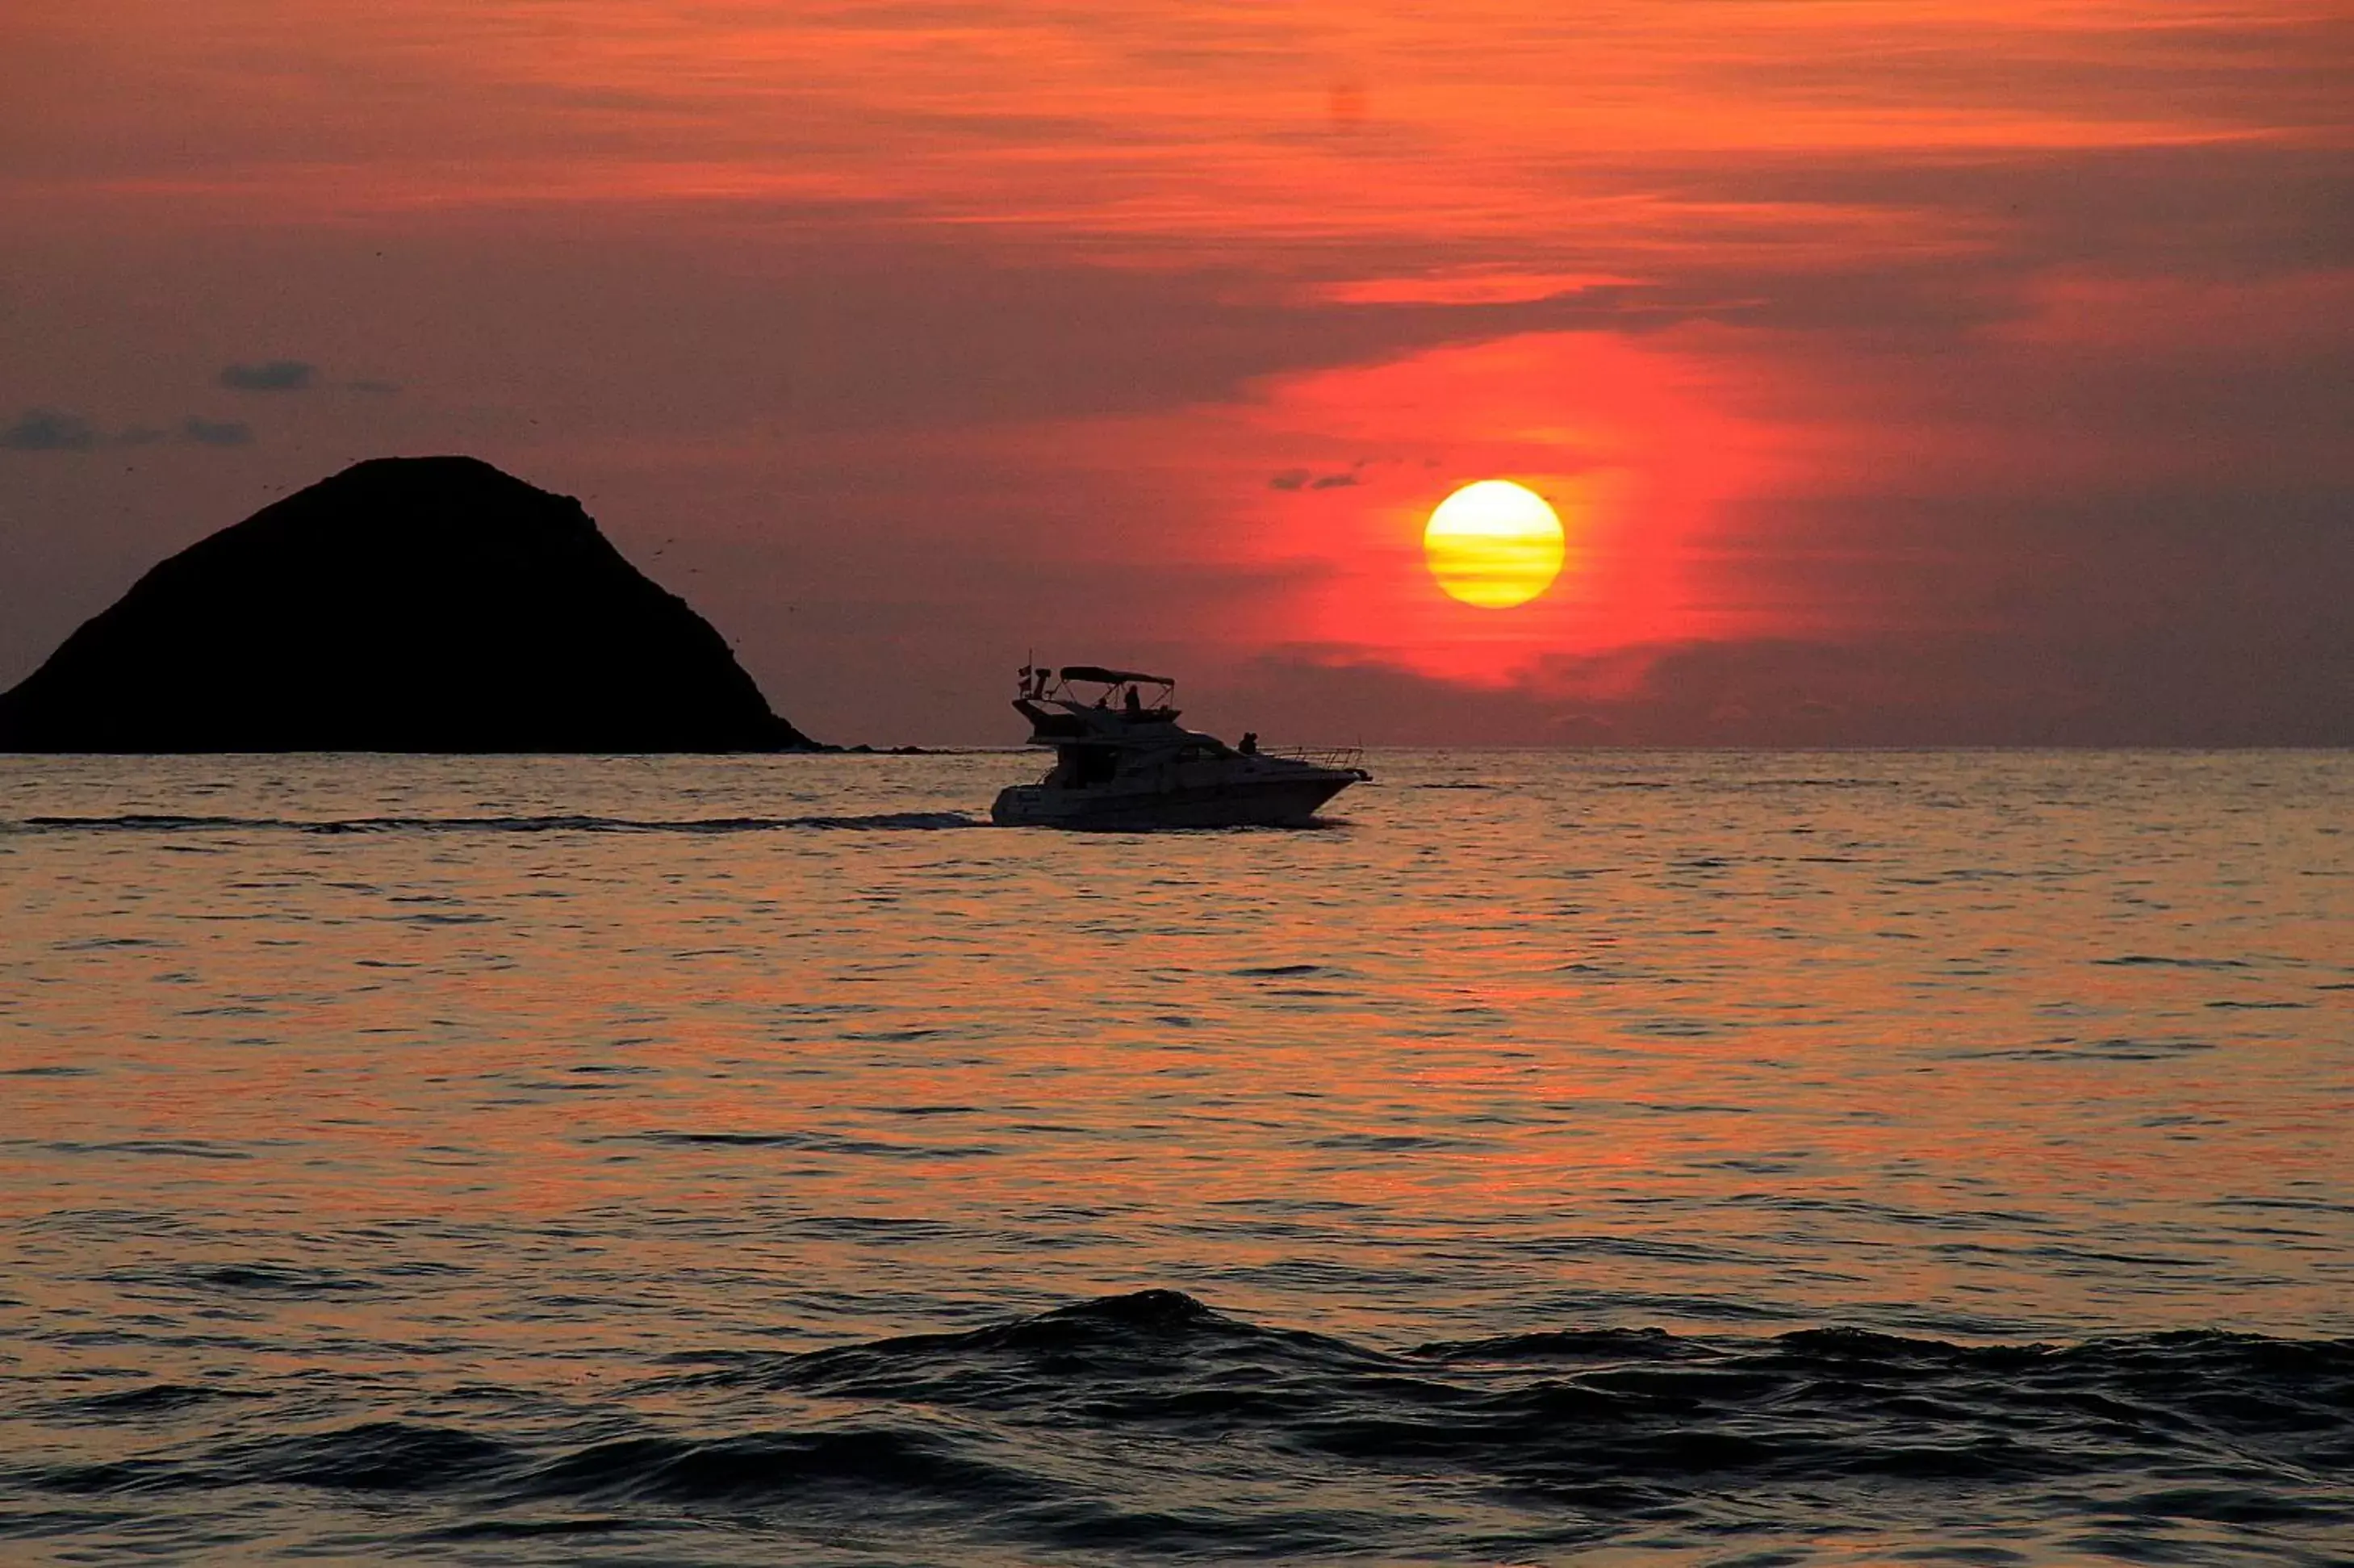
(1151, 1426)
(285, 1280)
(1814, 1404)
(149, 1399)
(766, 1465)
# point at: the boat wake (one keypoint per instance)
(884, 821)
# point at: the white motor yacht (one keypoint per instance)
(1122, 763)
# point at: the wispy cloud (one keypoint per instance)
(48, 430)
(60, 431)
(206, 432)
(269, 376)
(1308, 478)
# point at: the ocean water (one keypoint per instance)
(1609, 1157)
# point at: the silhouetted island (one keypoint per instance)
(407, 604)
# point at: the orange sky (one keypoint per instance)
(1911, 372)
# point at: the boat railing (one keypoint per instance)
(1321, 756)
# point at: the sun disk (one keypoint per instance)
(1494, 544)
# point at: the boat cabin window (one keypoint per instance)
(1093, 765)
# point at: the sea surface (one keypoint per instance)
(1609, 1157)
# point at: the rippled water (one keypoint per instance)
(1625, 1158)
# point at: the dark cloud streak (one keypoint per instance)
(215, 432)
(269, 376)
(48, 430)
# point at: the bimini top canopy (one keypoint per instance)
(1111, 677)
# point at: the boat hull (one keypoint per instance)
(1246, 804)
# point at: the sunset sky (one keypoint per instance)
(1951, 371)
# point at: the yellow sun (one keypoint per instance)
(1494, 544)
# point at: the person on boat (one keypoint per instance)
(1249, 747)
(1133, 704)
